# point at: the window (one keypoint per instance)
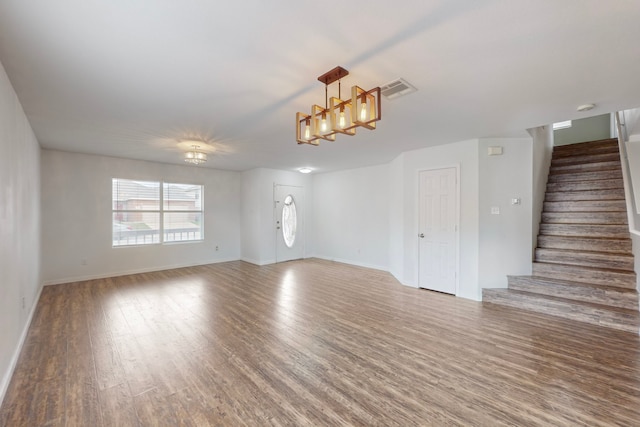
(289, 221)
(150, 212)
(182, 212)
(562, 125)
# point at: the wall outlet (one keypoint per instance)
(217, 247)
(495, 210)
(83, 261)
(24, 303)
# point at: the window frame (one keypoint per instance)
(562, 125)
(161, 211)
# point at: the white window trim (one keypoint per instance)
(161, 213)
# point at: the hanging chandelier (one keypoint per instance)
(338, 115)
(196, 157)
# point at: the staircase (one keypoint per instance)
(583, 266)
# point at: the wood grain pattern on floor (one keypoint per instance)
(308, 343)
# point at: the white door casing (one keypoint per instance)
(438, 229)
(288, 200)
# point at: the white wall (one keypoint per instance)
(505, 240)
(258, 226)
(252, 216)
(464, 154)
(633, 152)
(359, 212)
(77, 218)
(20, 281)
(631, 120)
(541, 161)
(396, 218)
(351, 216)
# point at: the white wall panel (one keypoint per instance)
(77, 221)
(258, 226)
(464, 154)
(20, 281)
(505, 245)
(351, 216)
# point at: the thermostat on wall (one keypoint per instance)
(495, 151)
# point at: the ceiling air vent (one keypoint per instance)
(397, 88)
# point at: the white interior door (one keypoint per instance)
(289, 222)
(438, 229)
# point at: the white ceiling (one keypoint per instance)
(133, 78)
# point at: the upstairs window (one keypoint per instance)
(151, 212)
(562, 125)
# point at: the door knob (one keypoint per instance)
(421, 235)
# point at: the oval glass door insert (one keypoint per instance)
(289, 221)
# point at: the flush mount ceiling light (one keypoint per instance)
(586, 107)
(305, 170)
(195, 157)
(363, 109)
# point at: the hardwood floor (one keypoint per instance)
(309, 343)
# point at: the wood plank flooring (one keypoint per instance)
(309, 343)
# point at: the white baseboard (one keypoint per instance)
(256, 262)
(411, 285)
(400, 279)
(351, 262)
(6, 378)
(134, 271)
(372, 266)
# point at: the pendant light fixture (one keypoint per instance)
(363, 109)
(195, 157)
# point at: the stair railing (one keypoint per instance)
(632, 215)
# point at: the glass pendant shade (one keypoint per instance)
(319, 126)
(303, 130)
(366, 106)
(195, 157)
(340, 115)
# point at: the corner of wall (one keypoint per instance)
(542, 151)
(6, 377)
(20, 246)
(505, 175)
(632, 121)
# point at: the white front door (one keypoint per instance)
(438, 229)
(288, 222)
